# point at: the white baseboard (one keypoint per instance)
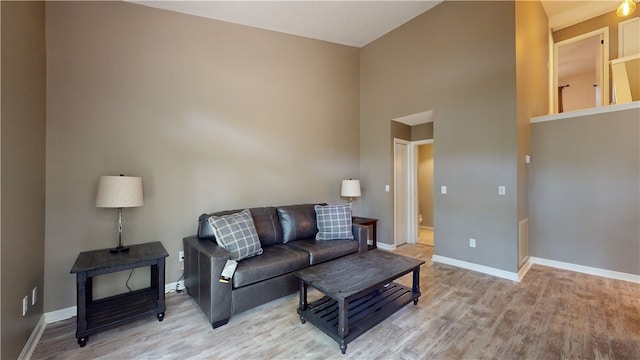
(30, 346)
(478, 268)
(524, 269)
(388, 247)
(587, 270)
(530, 261)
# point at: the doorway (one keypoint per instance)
(581, 72)
(408, 192)
(424, 192)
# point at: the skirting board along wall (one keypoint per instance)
(481, 268)
(539, 261)
(587, 270)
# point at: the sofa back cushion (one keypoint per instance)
(265, 220)
(298, 222)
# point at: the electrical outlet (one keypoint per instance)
(180, 256)
(472, 242)
(25, 304)
(34, 295)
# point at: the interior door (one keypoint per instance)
(401, 191)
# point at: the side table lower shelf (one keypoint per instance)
(113, 311)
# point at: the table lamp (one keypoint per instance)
(350, 188)
(119, 192)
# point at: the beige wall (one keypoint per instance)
(585, 179)
(532, 74)
(425, 184)
(458, 60)
(581, 94)
(212, 115)
(23, 170)
(422, 131)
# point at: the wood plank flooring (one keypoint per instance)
(551, 314)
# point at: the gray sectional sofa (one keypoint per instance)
(287, 236)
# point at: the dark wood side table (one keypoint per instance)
(94, 316)
(368, 222)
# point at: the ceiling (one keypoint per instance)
(355, 23)
(569, 12)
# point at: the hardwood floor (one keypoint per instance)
(551, 314)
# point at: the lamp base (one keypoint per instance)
(119, 249)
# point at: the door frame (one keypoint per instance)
(412, 202)
(397, 201)
(604, 66)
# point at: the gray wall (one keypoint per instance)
(23, 170)
(458, 60)
(585, 191)
(211, 115)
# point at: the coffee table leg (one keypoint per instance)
(343, 324)
(303, 299)
(416, 283)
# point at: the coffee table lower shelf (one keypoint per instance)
(363, 313)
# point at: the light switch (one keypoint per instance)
(443, 189)
(502, 190)
(386, 188)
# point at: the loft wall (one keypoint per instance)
(585, 186)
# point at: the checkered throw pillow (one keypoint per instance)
(237, 233)
(334, 222)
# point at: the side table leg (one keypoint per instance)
(82, 341)
(83, 296)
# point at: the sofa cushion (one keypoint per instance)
(297, 221)
(237, 233)
(320, 251)
(265, 220)
(334, 222)
(275, 260)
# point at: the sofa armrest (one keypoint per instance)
(203, 264)
(361, 234)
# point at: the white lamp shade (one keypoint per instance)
(350, 188)
(119, 192)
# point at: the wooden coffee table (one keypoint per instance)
(359, 292)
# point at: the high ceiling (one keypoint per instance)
(569, 12)
(355, 23)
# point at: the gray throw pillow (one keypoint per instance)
(237, 233)
(334, 222)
